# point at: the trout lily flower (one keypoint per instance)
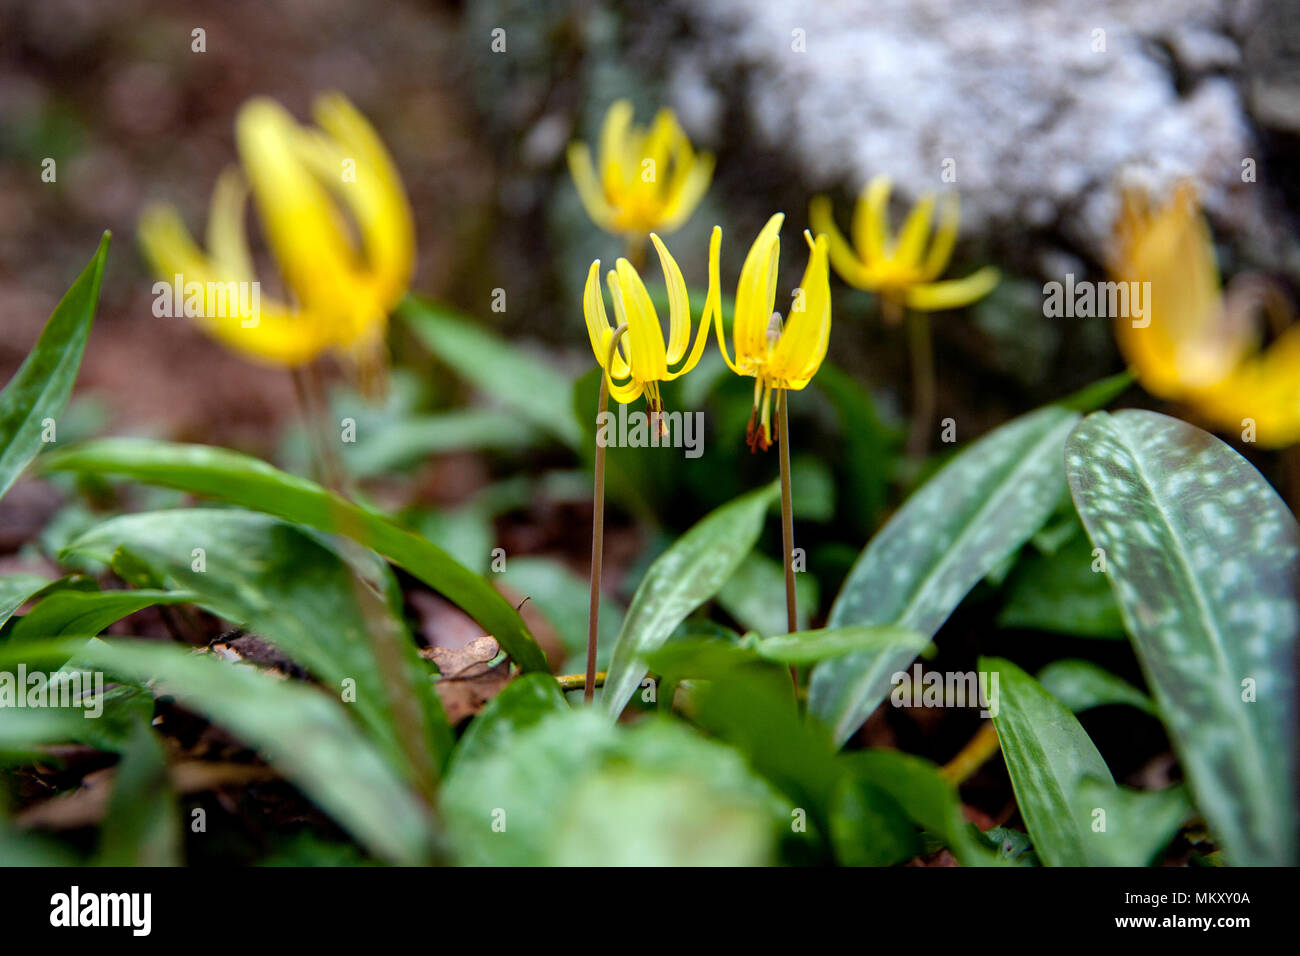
(776, 355)
(903, 269)
(641, 360)
(644, 180)
(306, 183)
(1198, 344)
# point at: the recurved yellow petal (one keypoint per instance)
(953, 293)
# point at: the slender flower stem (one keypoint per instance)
(787, 521)
(635, 252)
(598, 522)
(971, 757)
(923, 389)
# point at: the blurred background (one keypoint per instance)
(1040, 123)
(1043, 108)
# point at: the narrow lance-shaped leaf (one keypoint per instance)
(680, 580)
(527, 386)
(238, 479)
(16, 590)
(1081, 685)
(276, 580)
(40, 388)
(304, 733)
(1048, 755)
(88, 612)
(1203, 557)
(960, 525)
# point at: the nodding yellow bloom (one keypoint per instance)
(776, 355)
(1196, 344)
(904, 268)
(646, 179)
(306, 184)
(641, 360)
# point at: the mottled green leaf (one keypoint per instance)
(980, 508)
(1203, 557)
(1047, 753)
(680, 580)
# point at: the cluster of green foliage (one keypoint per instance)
(729, 763)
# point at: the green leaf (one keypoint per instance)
(416, 437)
(809, 647)
(102, 716)
(960, 525)
(525, 701)
(681, 579)
(523, 383)
(1138, 823)
(16, 590)
(574, 788)
(755, 595)
(41, 386)
(1203, 557)
(143, 824)
(868, 446)
(868, 828)
(19, 848)
(752, 707)
(278, 582)
(303, 732)
(88, 612)
(1061, 593)
(1081, 685)
(1100, 393)
(1047, 753)
(926, 796)
(238, 479)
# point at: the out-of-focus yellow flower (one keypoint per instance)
(777, 355)
(902, 269)
(646, 179)
(1196, 345)
(641, 360)
(306, 182)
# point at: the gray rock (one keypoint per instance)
(1045, 107)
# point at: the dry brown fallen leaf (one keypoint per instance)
(469, 680)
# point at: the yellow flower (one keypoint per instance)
(306, 183)
(903, 269)
(649, 180)
(776, 355)
(641, 360)
(1194, 344)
